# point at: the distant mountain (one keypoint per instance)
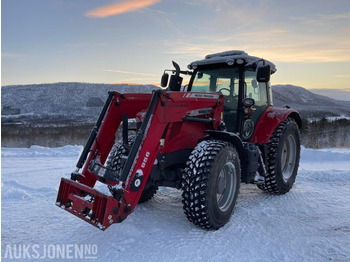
(339, 94)
(64, 113)
(59, 103)
(308, 103)
(74, 103)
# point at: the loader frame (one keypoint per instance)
(77, 194)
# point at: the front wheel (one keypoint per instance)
(211, 183)
(114, 162)
(283, 155)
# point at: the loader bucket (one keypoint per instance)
(88, 204)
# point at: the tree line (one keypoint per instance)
(325, 133)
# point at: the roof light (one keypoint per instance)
(230, 62)
(240, 61)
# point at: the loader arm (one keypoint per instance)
(81, 199)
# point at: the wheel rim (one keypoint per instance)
(226, 185)
(288, 157)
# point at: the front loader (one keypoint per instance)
(204, 138)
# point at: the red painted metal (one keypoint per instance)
(128, 103)
(80, 199)
(87, 203)
(268, 122)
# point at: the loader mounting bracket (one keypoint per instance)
(89, 204)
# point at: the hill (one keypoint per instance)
(307, 103)
(62, 103)
(64, 113)
(59, 103)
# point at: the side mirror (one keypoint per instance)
(164, 80)
(176, 79)
(263, 73)
(248, 102)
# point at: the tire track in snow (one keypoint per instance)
(14, 191)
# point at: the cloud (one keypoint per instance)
(283, 48)
(12, 55)
(120, 8)
(344, 76)
(340, 94)
(128, 72)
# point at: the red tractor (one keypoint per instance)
(203, 138)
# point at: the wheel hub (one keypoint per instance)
(226, 185)
(288, 157)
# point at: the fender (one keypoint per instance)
(268, 122)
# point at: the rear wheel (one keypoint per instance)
(211, 183)
(283, 155)
(114, 162)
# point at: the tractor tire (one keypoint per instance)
(210, 184)
(114, 162)
(283, 155)
(148, 192)
(118, 150)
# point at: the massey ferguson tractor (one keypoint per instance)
(204, 138)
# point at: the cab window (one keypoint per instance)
(257, 91)
(224, 81)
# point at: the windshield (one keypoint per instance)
(225, 81)
(219, 80)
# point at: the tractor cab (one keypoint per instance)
(243, 80)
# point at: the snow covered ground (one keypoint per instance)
(310, 223)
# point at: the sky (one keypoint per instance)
(133, 41)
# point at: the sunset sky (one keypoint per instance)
(109, 41)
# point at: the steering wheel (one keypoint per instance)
(230, 99)
(225, 89)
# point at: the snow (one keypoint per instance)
(310, 223)
(329, 118)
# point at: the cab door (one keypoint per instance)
(260, 92)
